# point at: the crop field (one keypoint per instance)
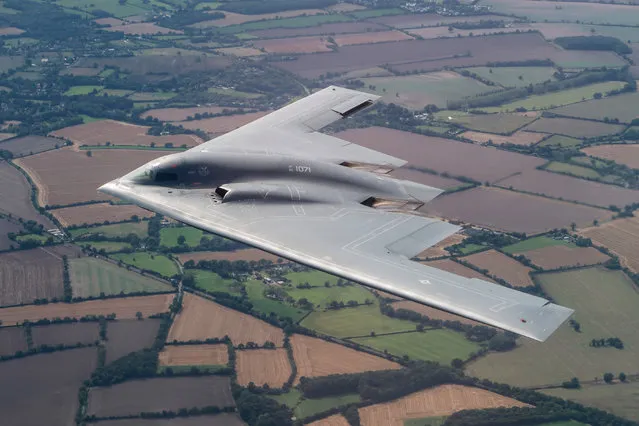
(620, 107)
(561, 141)
(489, 123)
(432, 313)
(622, 154)
(572, 169)
(518, 138)
(143, 28)
(621, 236)
(261, 303)
(82, 90)
(16, 191)
(441, 400)
(307, 44)
(67, 334)
(434, 345)
(431, 20)
(570, 188)
(12, 340)
(50, 383)
(308, 407)
(322, 296)
(162, 95)
(56, 172)
(188, 355)
(28, 275)
(91, 277)
(553, 30)
(155, 395)
(294, 22)
(511, 211)
(232, 18)
(123, 308)
(120, 133)
(29, 145)
(456, 268)
(515, 76)
(171, 64)
(354, 322)
(429, 179)
(438, 249)
(536, 243)
(592, 292)
(98, 213)
(247, 255)
(116, 230)
(241, 52)
(335, 420)
(201, 319)
(323, 29)
(5, 228)
(149, 261)
(417, 91)
(503, 267)
(182, 114)
(574, 128)
(316, 357)
(263, 366)
(224, 419)
(134, 7)
(210, 281)
(443, 32)
(313, 277)
(219, 125)
(555, 257)
(370, 37)
(129, 336)
(444, 155)
(192, 236)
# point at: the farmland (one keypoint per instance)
(6, 227)
(309, 406)
(351, 322)
(432, 313)
(559, 140)
(518, 138)
(115, 230)
(490, 123)
(66, 334)
(157, 263)
(294, 22)
(502, 266)
(620, 236)
(231, 18)
(189, 355)
(572, 169)
(12, 340)
(129, 336)
(29, 145)
(439, 249)
(98, 213)
(15, 187)
(155, 395)
(456, 268)
(260, 366)
(43, 389)
(438, 401)
(512, 211)
(224, 124)
(143, 28)
(315, 357)
(370, 37)
(261, 303)
(515, 76)
(335, 420)
(217, 420)
(93, 277)
(622, 154)
(566, 354)
(425, 178)
(182, 114)
(308, 44)
(169, 236)
(201, 319)
(428, 20)
(56, 172)
(244, 254)
(122, 308)
(574, 128)
(323, 29)
(29, 275)
(210, 281)
(620, 107)
(554, 257)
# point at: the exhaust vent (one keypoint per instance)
(382, 204)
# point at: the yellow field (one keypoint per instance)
(262, 366)
(621, 236)
(194, 355)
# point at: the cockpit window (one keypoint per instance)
(162, 176)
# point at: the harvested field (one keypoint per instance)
(621, 236)
(570, 188)
(438, 250)
(441, 400)
(10, 31)
(111, 22)
(574, 128)
(219, 125)
(622, 154)
(308, 44)
(194, 355)
(432, 313)
(371, 37)
(502, 266)
(201, 319)
(16, 188)
(555, 257)
(232, 18)
(182, 114)
(119, 133)
(29, 275)
(241, 52)
(98, 213)
(129, 336)
(263, 366)
(66, 334)
(5, 228)
(171, 64)
(143, 28)
(335, 420)
(518, 138)
(429, 179)
(225, 419)
(316, 357)
(621, 107)
(155, 395)
(56, 172)
(443, 155)
(123, 308)
(501, 123)
(456, 268)
(324, 29)
(12, 340)
(248, 255)
(29, 145)
(511, 211)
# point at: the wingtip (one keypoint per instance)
(549, 318)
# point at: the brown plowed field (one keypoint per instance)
(316, 357)
(66, 334)
(621, 236)
(622, 154)
(15, 193)
(181, 114)
(123, 308)
(326, 29)
(201, 319)
(218, 125)
(308, 44)
(425, 178)
(518, 138)
(12, 340)
(143, 28)
(119, 133)
(432, 313)
(574, 128)
(5, 228)
(241, 52)
(245, 254)
(129, 336)
(441, 400)
(502, 266)
(29, 145)
(371, 37)
(438, 249)
(262, 366)
(65, 176)
(336, 420)
(98, 213)
(555, 257)
(194, 355)
(443, 155)
(112, 22)
(232, 18)
(225, 419)
(456, 268)
(28, 275)
(10, 31)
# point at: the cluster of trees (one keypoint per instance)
(185, 17)
(610, 342)
(45, 349)
(227, 268)
(483, 237)
(595, 42)
(481, 24)
(259, 410)
(66, 280)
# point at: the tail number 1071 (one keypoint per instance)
(300, 169)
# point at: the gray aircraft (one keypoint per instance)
(280, 185)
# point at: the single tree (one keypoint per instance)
(608, 377)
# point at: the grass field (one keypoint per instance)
(351, 322)
(620, 399)
(514, 76)
(82, 90)
(322, 296)
(579, 171)
(169, 236)
(233, 93)
(308, 407)
(255, 290)
(561, 141)
(375, 13)
(471, 248)
(435, 345)
(296, 22)
(622, 107)
(116, 230)
(535, 243)
(314, 278)
(153, 262)
(211, 281)
(91, 277)
(119, 10)
(107, 246)
(38, 237)
(490, 123)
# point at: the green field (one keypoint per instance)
(314, 278)
(434, 345)
(308, 407)
(425, 421)
(297, 22)
(152, 96)
(234, 93)
(153, 262)
(535, 243)
(116, 230)
(437, 129)
(211, 281)
(105, 73)
(620, 399)
(322, 296)
(91, 277)
(82, 90)
(560, 140)
(290, 398)
(606, 306)
(490, 123)
(117, 92)
(255, 290)
(622, 107)
(169, 236)
(351, 322)
(375, 13)
(107, 246)
(89, 119)
(207, 4)
(556, 99)
(471, 248)
(515, 76)
(579, 171)
(37, 237)
(117, 9)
